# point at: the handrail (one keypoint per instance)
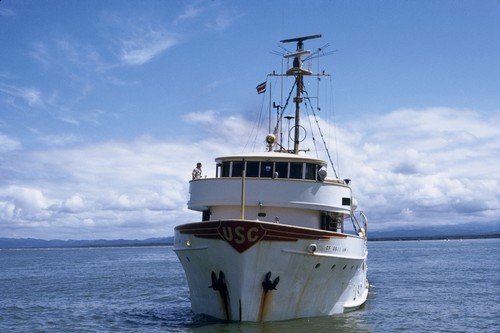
(361, 231)
(365, 222)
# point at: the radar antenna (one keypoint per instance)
(300, 41)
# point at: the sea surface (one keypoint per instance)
(416, 286)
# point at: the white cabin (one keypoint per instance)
(278, 187)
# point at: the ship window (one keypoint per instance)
(266, 169)
(225, 169)
(252, 169)
(296, 170)
(311, 171)
(281, 169)
(237, 169)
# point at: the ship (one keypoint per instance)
(279, 237)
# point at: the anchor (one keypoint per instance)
(265, 300)
(268, 285)
(219, 284)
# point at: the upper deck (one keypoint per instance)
(276, 181)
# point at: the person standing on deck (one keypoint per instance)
(197, 171)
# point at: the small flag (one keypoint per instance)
(261, 88)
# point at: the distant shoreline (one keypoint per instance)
(32, 243)
(13, 243)
(85, 246)
(419, 238)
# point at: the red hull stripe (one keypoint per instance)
(241, 235)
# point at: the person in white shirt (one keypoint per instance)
(197, 171)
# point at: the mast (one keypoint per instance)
(299, 73)
(297, 100)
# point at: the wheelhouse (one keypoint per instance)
(278, 167)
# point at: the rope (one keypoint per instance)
(254, 132)
(284, 108)
(321, 134)
(308, 105)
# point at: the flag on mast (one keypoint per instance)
(261, 88)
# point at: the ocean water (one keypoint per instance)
(416, 286)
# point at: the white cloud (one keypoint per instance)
(224, 130)
(74, 204)
(69, 56)
(115, 189)
(40, 53)
(209, 117)
(223, 19)
(190, 11)
(28, 201)
(60, 139)
(7, 12)
(437, 164)
(7, 211)
(135, 40)
(214, 15)
(32, 96)
(7, 143)
(406, 171)
(142, 46)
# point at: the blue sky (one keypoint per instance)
(105, 107)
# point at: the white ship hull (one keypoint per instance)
(244, 270)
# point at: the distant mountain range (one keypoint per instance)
(473, 230)
(19, 243)
(448, 231)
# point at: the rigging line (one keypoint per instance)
(332, 108)
(309, 105)
(322, 137)
(254, 133)
(319, 81)
(283, 109)
(258, 124)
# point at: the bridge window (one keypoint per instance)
(266, 169)
(281, 168)
(296, 170)
(226, 167)
(252, 169)
(237, 169)
(311, 171)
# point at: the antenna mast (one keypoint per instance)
(299, 73)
